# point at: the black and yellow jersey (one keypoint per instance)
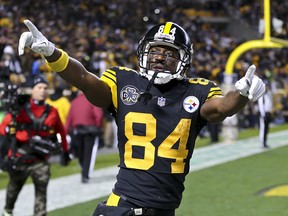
(156, 140)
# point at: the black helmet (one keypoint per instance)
(166, 34)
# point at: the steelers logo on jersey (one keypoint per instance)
(129, 95)
(191, 104)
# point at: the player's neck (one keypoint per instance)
(168, 86)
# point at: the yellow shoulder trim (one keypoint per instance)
(109, 77)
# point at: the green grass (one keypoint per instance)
(73, 168)
(243, 134)
(229, 189)
(113, 159)
(233, 188)
(255, 132)
(82, 209)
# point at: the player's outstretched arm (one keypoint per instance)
(70, 69)
(250, 87)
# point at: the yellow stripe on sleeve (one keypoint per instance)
(110, 74)
(109, 77)
(214, 92)
(215, 88)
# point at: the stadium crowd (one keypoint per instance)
(104, 33)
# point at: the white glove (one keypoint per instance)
(250, 85)
(35, 41)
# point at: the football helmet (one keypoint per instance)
(167, 34)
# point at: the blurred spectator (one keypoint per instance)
(112, 33)
(84, 124)
(11, 60)
(36, 65)
(60, 102)
(108, 130)
(265, 104)
(214, 130)
(11, 65)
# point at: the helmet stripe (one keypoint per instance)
(167, 28)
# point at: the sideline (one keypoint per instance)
(67, 191)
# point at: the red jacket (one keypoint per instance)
(22, 135)
(82, 112)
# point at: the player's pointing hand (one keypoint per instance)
(250, 85)
(35, 41)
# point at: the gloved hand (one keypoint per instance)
(8, 165)
(250, 85)
(65, 158)
(35, 41)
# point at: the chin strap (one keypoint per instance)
(146, 95)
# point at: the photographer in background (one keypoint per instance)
(35, 128)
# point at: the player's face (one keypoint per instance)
(40, 92)
(163, 59)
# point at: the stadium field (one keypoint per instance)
(253, 185)
(234, 188)
(250, 186)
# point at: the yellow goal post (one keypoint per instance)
(266, 42)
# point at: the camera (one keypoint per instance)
(12, 96)
(43, 146)
(12, 100)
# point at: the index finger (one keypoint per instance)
(32, 28)
(250, 72)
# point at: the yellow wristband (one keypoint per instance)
(61, 63)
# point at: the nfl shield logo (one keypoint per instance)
(161, 101)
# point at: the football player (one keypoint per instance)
(158, 110)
